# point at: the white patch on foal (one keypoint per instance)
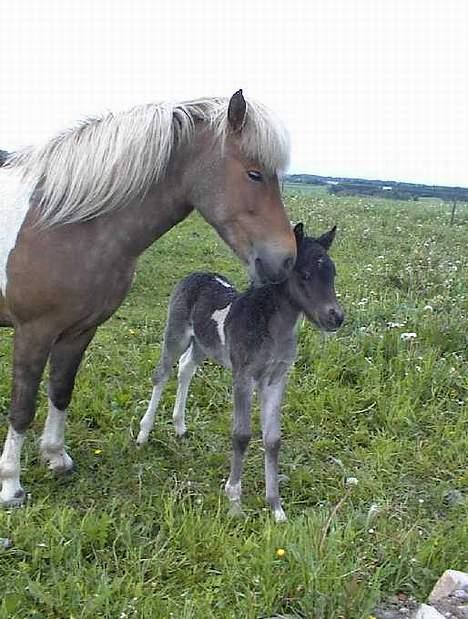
(14, 204)
(219, 316)
(223, 282)
(12, 493)
(53, 440)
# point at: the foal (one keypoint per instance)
(253, 334)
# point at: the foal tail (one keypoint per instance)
(178, 331)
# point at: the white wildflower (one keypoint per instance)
(406, 337)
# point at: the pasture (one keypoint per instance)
(145, 533)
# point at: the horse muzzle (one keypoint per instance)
(269, 268)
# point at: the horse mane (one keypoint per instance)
(106, 162)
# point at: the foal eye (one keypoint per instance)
(254, 175)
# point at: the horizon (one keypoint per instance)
(366, 178)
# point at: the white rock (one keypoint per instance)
(428, 612)
(447, 584)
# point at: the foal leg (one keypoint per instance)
(31, 349)
(174, 345)
(188, 364)
(271, 396)
(241, 434)
(65, 359)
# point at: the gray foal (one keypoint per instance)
(253, 334)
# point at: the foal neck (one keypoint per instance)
(276, 304)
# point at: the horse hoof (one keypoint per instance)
(65, 473)
(16, 501)
(60, 464)
(279, 515)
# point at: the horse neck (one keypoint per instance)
(140, 223)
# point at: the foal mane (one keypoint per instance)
(106, 162)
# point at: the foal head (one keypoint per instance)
(312, 282)
(238, 190)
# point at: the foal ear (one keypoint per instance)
(327, 239)
(236, 111)
(299, 233)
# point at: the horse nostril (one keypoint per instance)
(336, 316)
(288, 264)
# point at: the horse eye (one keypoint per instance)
(254, 175)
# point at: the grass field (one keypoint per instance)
(145, 533)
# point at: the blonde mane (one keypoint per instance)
(104, 163)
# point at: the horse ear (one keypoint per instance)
(327, 239)
(236, 111)
(299, 233)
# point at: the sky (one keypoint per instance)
(367, 88)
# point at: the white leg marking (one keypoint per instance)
(14, 204)
(219, 316)
(147, 423)
(234, 493)
(12, 493)
(187, 369)
(53, 441)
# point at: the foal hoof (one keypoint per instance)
(15, 501)
(180, 431)
(236, 511)
(142, 438)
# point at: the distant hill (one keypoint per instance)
(390, 189)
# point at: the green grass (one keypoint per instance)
(145, 533)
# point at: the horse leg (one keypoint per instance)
(65, 359)
(188, 364)
(241, 433)
(176, 342)
(271, 396)
(31, 349)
